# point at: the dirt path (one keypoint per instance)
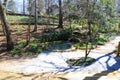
(4, 75)
(105, 75)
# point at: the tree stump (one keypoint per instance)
(118, 52)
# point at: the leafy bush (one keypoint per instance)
(101, 41)
(55, 35)
(18, 51)
(18, 48)
(20, 44)
(33, 47)
(15, 51)
(104, 38)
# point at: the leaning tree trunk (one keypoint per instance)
(3, 28)
(60, 15)
(6, 27)
(4, 4)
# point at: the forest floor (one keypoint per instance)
(105, 68)
(18, 33)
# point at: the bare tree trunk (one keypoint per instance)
(89, 38)
(48, 12)
(28, 32)
(3, 28)
(60, 15)
(28, 29)
(5, 3)
(6, 27)
(23, 6)
(36, 17)
(87, 51)
(89, 28)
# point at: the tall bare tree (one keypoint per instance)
(29, 25)
(6, 27)
(60, 15)
(23, 6)
(36, 17)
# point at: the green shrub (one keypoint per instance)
(56, 35)
(17, 51)
(104, 37)
(39, 51)
(20, 44)
(33, 47)
(101, 41)
(18, 48)
(77, 46)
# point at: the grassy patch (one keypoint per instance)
(32, 48)
(80, 61)
(101, 41)
(24, 19)
(83, 46)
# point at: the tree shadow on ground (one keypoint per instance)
(51, 64)
(109, 68)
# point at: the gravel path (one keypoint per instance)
(56, 61)
(52, 66)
